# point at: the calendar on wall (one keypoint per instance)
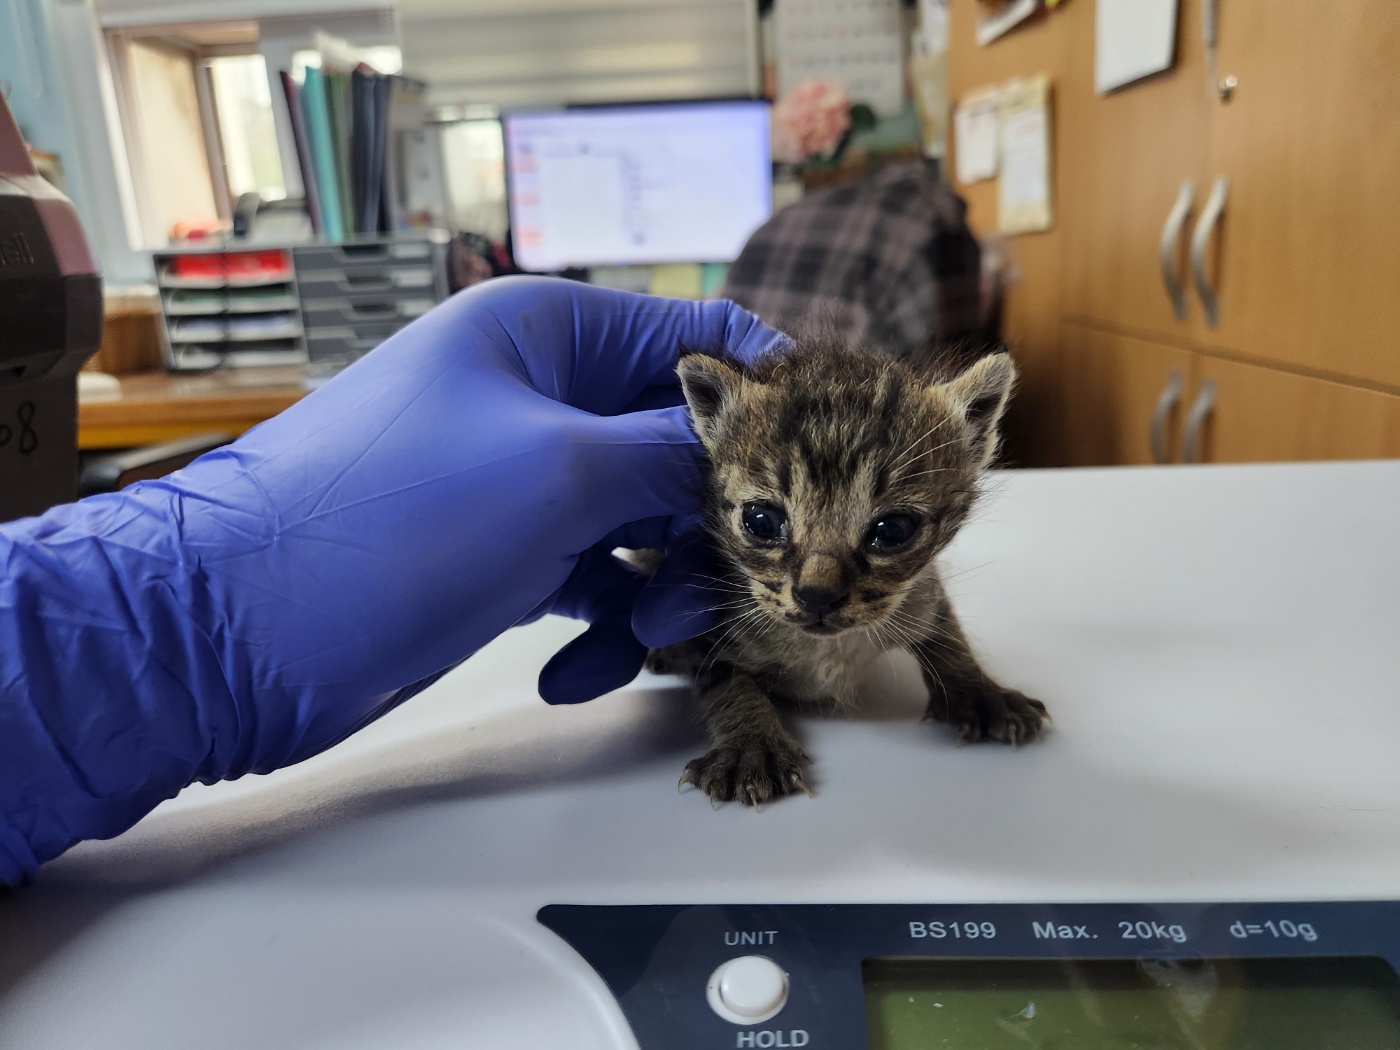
(857, 42)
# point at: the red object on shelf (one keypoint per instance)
(197, 266)
(259, 264)
(263, 265)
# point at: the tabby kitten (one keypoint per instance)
(836, 477)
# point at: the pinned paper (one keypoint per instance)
(975, 128)
(1024, 190)
(1008, 17)
(1132, 39)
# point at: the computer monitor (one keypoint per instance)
(637, 184)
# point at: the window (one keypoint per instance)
(473, 156)
(247, 133)
(202, 120)
(174, 185)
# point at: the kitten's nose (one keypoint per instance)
(818, 601)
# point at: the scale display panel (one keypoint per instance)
(1118, 1004)
(1301, 976)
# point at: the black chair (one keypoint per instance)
(109, 472)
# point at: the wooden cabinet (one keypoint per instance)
(1126, 400)
(1117, 392)
(1309, 252)
(1302, 357)
(1267, 414)
(1125, 159)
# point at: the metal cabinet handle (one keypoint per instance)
(1169, 398)
(1191, 436)
(1200, 242)
(1166, 248)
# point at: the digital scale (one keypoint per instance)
(1203, 853)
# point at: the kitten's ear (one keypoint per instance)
(711, 388)
(982, 392)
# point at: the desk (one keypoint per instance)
(1216, 644)
(160, 406)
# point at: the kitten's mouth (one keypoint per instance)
(822, 627)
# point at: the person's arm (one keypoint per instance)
(282, 592)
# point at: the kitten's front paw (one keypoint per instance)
(998, 714)
(753, 772)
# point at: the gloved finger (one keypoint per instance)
(656, 330)
(601, 583)
(638, 466)
(607, 656)
(596, 348)
(685, 596)
(648, 534)
(657, 396)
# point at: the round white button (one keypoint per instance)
(748, 990)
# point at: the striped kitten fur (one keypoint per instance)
(836, 477)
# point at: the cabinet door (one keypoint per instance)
(1110, 389)
(1124, 159)
(1308, 251)
(1263, 414)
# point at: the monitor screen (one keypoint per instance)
(637, 184)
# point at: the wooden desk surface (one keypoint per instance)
(160, 406)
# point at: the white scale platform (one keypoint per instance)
(1219, 646)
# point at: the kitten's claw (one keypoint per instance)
(796, 783)
(752, 772)
(998, 714)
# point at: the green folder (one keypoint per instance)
(318, 124)
(341, 116)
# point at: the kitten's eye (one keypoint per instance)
(891, 531)
(765, 523)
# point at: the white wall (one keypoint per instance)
(523, 53)
(52, 53)
(121, 13)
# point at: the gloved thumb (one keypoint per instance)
(637, 465)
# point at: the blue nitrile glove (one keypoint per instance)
(278, 594)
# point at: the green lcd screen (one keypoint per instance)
(1132, 1004)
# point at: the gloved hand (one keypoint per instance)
(280, 593)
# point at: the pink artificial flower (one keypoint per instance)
(810, 120)
(787, 147)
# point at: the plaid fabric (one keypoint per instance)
(888, 261)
